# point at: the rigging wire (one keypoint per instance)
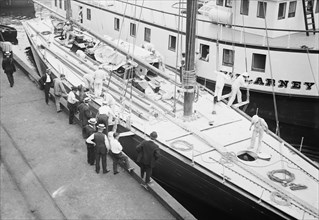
(271, 74)
(312, 72)
(177, 63)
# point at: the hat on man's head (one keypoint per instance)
(7, 53)
(104, 102)
(101, 126)
(86, 99)
(245, 74)
(92, 121)
(153, 135)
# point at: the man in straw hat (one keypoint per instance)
(148, 153)
(88, 130)
(101, 143)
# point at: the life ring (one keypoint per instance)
(280, 199)
(187, 145)
(284, 181)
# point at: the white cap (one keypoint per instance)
(245, 74)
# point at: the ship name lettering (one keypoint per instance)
(282, 83)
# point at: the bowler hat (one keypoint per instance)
(153, 135)
(101, 126)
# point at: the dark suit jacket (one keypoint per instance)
(85, 113)
(43, 79)
(148, 153)
(99, 140)
(88, 131)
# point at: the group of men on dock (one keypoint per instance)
(95, 130)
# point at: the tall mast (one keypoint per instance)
(189, 78)
(68, 9)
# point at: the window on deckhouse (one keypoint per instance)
(244, 7)
(228, 3)
(317, 7)
(56, 3)
(88, 14)
(282, 10)
(292, 9)
(228, 57)
(172, 43)
(259, 62)
(147, 35)
(262, 9)
(132, 30)
(204, 52)
(220, 2)
(116, 24)
(60, 3)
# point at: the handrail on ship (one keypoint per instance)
(218, 23)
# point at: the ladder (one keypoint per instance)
(308, 15)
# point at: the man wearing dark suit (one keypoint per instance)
(148, 154)
(88, 130)
(8, 67)
(84, 113)
(47, 82)
(101, 147)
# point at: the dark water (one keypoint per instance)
(14, 17)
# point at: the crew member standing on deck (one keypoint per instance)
(47, 82)
(88, 80)
(72, 104)
(59, 91)
(260, 126)
(8, 67)
(241, 81)
(102, 147)
(90, 129)
(221, 77)
(103, 115)
(148, 154)
(99, 78)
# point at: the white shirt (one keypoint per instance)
(220, 79)
(240, 81)
(105, 109)
(71, 98)
(109, 98)
(99, 76)
(48, 78)
(116, 146)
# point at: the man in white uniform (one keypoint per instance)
(220, 82)
(99, 78)
(235, 88)
(259, 127)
